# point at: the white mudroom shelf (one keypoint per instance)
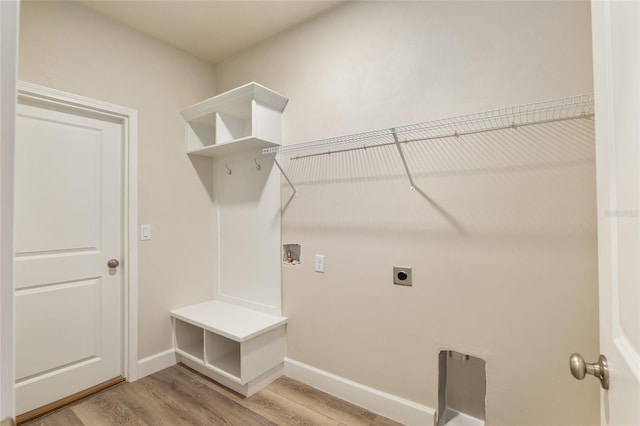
(248, 117)
(233, 147)
(238, 339)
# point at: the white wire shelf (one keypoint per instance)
(536, 113)
(567, 108)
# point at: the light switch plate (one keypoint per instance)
(145, 232)
(320, 263)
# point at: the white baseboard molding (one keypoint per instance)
(384, 404)
(157, 362)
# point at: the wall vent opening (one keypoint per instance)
(462, 389)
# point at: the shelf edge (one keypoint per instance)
(249, 91)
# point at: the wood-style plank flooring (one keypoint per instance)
(180, 396)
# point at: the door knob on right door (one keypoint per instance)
(579, 369)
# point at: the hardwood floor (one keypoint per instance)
(180, 396)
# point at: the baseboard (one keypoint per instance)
(384, 404)
(157, 362)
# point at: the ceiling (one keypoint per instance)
(213, 29)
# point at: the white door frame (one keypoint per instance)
(9, 11)
(129, 119)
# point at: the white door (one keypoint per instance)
(68, 225)
(616, 47)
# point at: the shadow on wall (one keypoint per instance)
(507, 181)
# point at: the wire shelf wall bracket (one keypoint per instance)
(531, 114)
(275, 160)
(412, 187)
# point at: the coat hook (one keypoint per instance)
(258, 166)
(228, 169)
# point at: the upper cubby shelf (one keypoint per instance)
(248, 117)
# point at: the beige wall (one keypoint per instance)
(502, 245)
(65, 46)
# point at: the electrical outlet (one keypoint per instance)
(402, 275)
(320, 263)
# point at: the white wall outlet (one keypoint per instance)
(145, 232)
(320, 263)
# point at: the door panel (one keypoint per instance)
(68, 306)
(57, 268)
(68, 225)
(616, 44)
(61, 208)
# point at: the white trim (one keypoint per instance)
(129, 119)
(9, 17)
(157, 362)
(382, 403)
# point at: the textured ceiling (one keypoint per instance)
(211, 30)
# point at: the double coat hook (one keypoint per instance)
(255, 160)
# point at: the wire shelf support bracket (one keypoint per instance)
(275, 160)
(412, 187)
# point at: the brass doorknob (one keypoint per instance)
(113, 263)
(579, 369)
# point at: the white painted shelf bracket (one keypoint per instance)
(412, 187)
(275, 160)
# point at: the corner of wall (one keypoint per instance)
(156, 362)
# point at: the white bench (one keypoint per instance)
(238, 347)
